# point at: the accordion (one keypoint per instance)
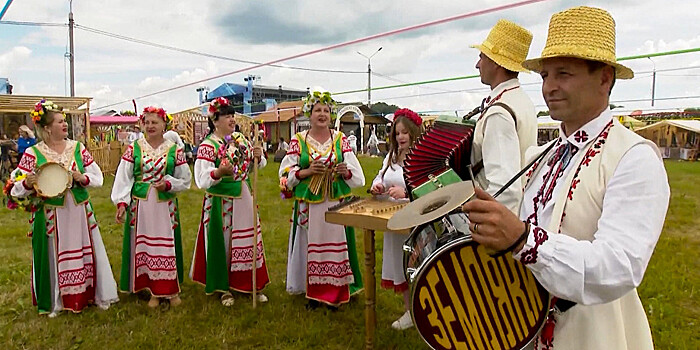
(441, 156)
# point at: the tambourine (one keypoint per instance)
(52, 180)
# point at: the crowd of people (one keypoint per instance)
(584, 219)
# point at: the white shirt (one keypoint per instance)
(175, 138)
(392, 176)
(502, 148)
(633, 213)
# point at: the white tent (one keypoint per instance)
(546, 122)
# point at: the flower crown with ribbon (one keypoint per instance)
(409, 114)
(216, 104)
(167, 118)
(319, 97)
(42, 109)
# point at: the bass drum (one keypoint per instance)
(462, 298)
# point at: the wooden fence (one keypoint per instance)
(107, 155)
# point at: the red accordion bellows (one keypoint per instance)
(445, 145)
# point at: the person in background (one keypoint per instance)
(283, 145)
(352, 140)
(507, 124)
(175, 138)
(26, 139)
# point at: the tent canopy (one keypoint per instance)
(108, 119)
(25, 103)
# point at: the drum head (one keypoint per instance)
(52, 180)
(464, 298)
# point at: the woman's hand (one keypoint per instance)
(257, 152)
(225, 168)
(316, 167)
(78, 177)
(342, 169)
(121, 212)
(30, 181)
(397, 192)
(377, 189)
(160, 185)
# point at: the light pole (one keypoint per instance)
(369, 75)
(71, 59)
(653, 81)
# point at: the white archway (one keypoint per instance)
(355, 110)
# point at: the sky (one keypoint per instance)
(111, 70)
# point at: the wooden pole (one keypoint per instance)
(370, 290)
(256, 143)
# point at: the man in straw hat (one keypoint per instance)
(594, 205)
(507, 125)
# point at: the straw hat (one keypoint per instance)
(581, 32)
(507, 45)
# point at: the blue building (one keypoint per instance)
(252, 98)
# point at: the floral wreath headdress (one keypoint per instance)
(410, 115)
(319, 97)
(167, 118)
(42, 109)
(216, 104)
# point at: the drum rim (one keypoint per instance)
(41, 168)
(430, 256)
(468, 239)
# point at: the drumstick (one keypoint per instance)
(255, 218)
(510, 182)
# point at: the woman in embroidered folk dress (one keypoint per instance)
(70, 268)
(390, 182)
(223, 256)
(320, 168)
(152, 170)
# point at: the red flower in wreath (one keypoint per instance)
(409, 114)
(216, 104)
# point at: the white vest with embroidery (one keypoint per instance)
(622, 323)
(526, 127)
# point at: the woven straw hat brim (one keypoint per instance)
(500, 60)
(581, 32)
(621, 72)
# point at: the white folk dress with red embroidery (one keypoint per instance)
(314, 244)
(77, 256)
(152, 259)
(393, 273)
(237, 221)
(597, 205)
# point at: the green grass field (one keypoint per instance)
(669, 290)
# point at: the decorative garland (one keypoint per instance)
(216, 104)
(42, 109)
(319, 97)
(167, 118)
(30, 203)
(411, 115)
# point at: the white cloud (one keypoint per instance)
(112, 70)
(12, 59)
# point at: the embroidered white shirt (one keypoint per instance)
(502, 146)
(633, 213)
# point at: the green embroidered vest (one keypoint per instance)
(140, 188)
(80, 194)
(339, 189)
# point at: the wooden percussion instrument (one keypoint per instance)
(52, 180)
